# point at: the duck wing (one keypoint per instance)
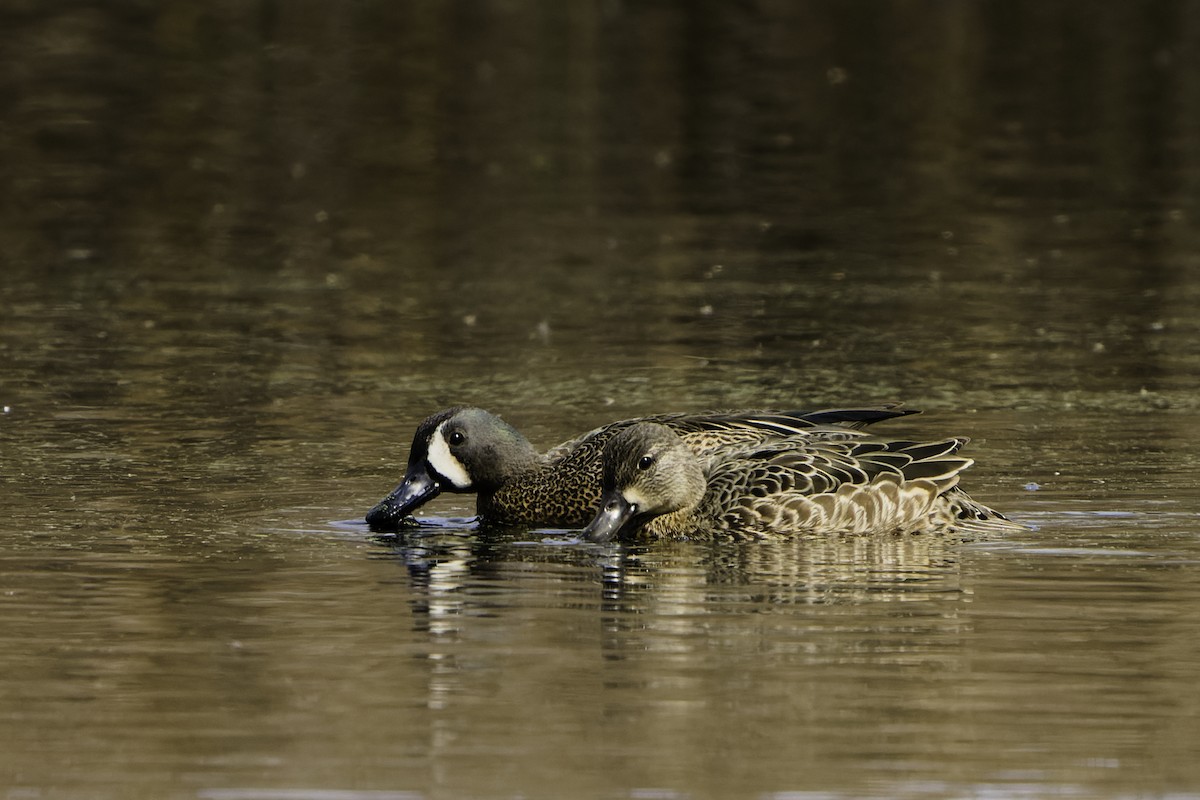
(807, 484)
(708, 430)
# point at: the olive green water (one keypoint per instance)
(246, 247)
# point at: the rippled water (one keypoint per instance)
(244, 250)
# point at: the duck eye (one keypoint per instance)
(456, 438)
(645, 462)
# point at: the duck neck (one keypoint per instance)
(504, 459)
(689, 517)
(513, 472)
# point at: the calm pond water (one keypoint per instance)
(246, 247)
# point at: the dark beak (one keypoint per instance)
(417, 488)
(614, 515)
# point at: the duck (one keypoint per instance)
(817, 481)
(464, 449)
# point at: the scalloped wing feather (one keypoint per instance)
(854, 487)
(884, 505)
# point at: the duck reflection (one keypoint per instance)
(439, 565)
(455, 571)
(666, 597)
(525, 637)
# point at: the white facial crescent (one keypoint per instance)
(444, 463)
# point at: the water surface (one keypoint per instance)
(244, 251)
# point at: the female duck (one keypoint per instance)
(466, 449)
(656, 487)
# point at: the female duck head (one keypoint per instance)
(648, 472)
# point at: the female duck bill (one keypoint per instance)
(614, 515)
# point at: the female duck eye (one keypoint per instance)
(456, 438)
(645, 462)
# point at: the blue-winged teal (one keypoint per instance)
(655, 486)
(466, 449)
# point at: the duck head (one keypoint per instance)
(648, 472)
(459, 450)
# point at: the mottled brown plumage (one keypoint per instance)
(655, 486)
(466, 449)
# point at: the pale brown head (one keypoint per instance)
(648, 472)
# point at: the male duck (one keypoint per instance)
(465, 449)
(655, 486)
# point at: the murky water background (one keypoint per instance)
(246, 247)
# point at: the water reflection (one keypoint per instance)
(685, 649)
(720, 577)
(804, 570)
(673, 598)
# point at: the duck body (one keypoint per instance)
(810, 482)
(465, 449)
